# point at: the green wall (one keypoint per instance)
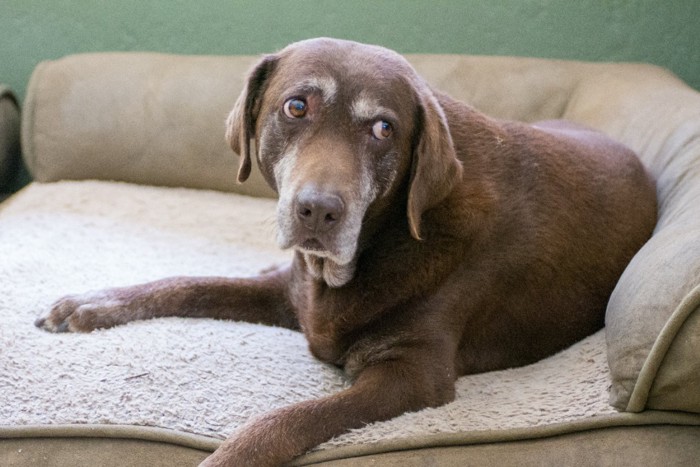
(663, 32)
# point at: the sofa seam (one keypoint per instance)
(27, 133)
(652, 364)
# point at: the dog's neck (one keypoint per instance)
(333, 274)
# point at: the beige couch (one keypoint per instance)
(152, 193)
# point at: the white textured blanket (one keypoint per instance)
(203, 376)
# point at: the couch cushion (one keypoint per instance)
(653, 327)
(199, 375)
(9, 136)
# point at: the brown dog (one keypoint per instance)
(431, 240)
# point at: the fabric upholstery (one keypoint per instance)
(199, 380)
(652, 323)
(200, 375)
(614, 446)
(141, 118)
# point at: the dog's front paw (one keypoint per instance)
(81, 313)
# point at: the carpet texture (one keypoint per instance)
(196, 375)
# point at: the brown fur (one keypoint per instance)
(487, 244)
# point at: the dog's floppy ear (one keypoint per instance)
(435, 168)
(241, 122)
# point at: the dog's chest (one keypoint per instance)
(324, 343)
(328, 326)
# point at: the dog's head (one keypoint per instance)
(340, 128)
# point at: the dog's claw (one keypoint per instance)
(55, 320)
(63, 327)
(80, 313)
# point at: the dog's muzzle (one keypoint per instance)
(319, 212)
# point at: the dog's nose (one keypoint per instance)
(318, 211)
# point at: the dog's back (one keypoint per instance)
(565, 209)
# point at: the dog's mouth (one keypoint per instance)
(312, 245)
(319, 248)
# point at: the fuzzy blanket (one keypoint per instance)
(196, 375)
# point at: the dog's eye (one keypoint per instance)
(381, 129)
(295, 108)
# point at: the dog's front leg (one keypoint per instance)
(381, 391)
(263, 299)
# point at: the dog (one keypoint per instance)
(430, 240)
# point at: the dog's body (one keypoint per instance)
(431, 241)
